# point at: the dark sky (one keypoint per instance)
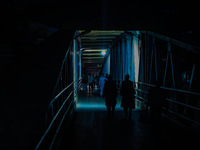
(174, 18)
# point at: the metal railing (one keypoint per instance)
(62, 104)
(179, 105)
(67, 107)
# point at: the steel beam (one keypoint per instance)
(195, 49)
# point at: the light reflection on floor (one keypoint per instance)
(94, 102)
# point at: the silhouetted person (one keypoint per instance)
(110, 94)
(90, 81)
(128, 96)
(96, 80)
(84, 83)
(156, 97)
(107, 76)
(93, 83)
(102, 81)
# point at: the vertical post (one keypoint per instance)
(172, 69)
(151, 63)
(65, 80)
(132, 59)
(136, 58)
(156, 67)
(115, 61)
(109, 63)
(128, 52)
(118, 61)
(145, 61)
(193, 69)
(74, 65)
(126, 56)
(80, 64)
(166, 69)
(142, 59)
(123, 58)
(121, 61)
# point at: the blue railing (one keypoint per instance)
(68, 106)
(63, 103)
(180, 105)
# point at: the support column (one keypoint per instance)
(123, 59)
(126, 57)
(108, 63)
(75, 64)
(80, 64)
(74, 60)
(156, 66)
(111, 62)
(136, 58)
(128, 54)
(169, 56)
(118, 62)
(114, 62)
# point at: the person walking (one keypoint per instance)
(127, 92)
(84, 83)
(110, 94)
(91, 82)
(102, 81)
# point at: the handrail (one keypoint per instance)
(183, 104)
(141, 90)
(58, 95)
(54, 118)
(188, 92)
(170, 100)
(172, 89)
(179, 90)
(62, 120)
(182, 117)
(144, 100)
(141, 98)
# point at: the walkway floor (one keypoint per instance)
(92, 129)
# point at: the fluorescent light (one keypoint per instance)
(94, 50)
(103, 52)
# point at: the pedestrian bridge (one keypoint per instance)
(91, 128)
(77, 121)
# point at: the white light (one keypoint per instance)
(103, 52)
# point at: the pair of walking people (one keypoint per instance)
(127, 92)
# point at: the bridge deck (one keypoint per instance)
(92, 129)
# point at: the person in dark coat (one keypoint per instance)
(128, 96)
(84, 83)
(110, 94)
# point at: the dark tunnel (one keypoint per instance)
(49, 100)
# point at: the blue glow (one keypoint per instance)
(95, 106)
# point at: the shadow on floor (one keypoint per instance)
(92, 129)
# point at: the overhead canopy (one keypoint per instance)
(95, 44)
(95, 47)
